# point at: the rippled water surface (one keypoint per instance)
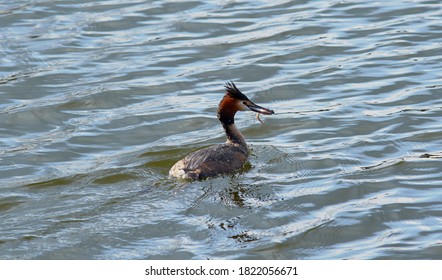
(98, 99)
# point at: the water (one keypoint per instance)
(98, 99)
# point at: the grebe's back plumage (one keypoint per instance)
(224, 158)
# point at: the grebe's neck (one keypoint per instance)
(234, 136)
(226, 114)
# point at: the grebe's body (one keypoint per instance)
(225, 158)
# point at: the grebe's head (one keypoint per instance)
(233, 101)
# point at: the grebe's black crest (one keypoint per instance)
(234, 92)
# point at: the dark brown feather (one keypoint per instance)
(215, 160)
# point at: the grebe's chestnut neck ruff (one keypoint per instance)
(225, 158)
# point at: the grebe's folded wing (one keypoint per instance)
(213, 161)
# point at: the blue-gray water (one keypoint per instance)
(98, 99)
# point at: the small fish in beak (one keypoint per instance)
(258, 109)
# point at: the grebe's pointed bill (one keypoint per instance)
(256, 108)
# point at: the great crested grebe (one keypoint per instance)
(224, 158)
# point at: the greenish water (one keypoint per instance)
(98, 99)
